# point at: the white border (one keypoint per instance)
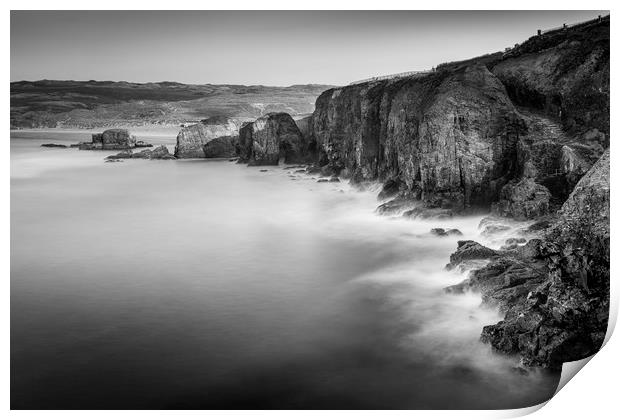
(592, 395)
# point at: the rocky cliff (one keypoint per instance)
(516, 129)
(521, 134)
(554, 291)
(271, 138)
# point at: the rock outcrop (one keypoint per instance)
(113, 139)
(191, 140)
(521, 127)
(271, 138)
(554, 291)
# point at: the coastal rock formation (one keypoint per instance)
(52, 145)
(191, 140)
(270, 138)
(113, 139)
(221, 147)
(519, 127)
(553, 291)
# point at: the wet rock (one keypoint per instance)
(446, 232)
(60, 146)
(160, 152)
(428, 213)
(323, 180)
(470, 250)
(140, 143)
(334, 179)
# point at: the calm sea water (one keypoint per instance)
(206, 284)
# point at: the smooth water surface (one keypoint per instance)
(207, 284)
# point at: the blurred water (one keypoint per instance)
(206, 284)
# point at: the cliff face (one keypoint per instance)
(191, 140)
(518, 129)
(449, 137)
(270, 138)
(555, 291)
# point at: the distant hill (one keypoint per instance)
(85, 104)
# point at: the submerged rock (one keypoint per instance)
(160, 152)
(446, 232)
(428, 213)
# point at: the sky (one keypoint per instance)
(277, 48)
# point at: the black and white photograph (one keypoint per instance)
(306, 209)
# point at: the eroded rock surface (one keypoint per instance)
(113, 139)
(191, 140)
(271, 138)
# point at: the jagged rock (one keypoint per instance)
(60, 146)
(523, 200)
(191, 140)
(554, 292)
(470, 250)
(270, 138)
(221, 147)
